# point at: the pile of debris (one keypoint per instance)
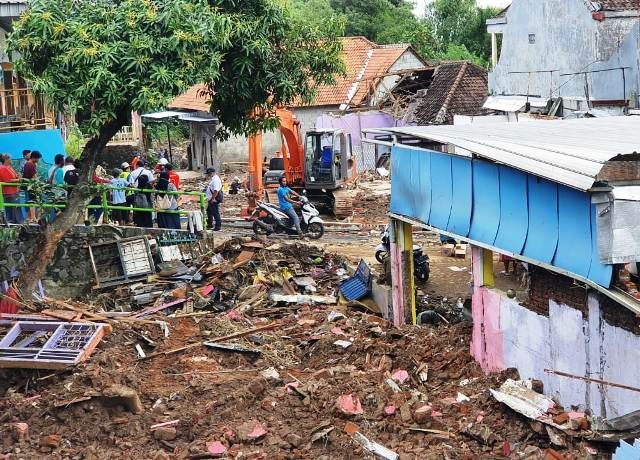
(260, 359)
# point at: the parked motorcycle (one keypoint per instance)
(268, 218)
(420, 260)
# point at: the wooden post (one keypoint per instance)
(402, 280)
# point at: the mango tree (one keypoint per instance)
(99, 60)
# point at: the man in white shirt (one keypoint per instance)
(139, 171)
(214, 196)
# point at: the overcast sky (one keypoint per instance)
(500, 3)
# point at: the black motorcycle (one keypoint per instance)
(420, 260)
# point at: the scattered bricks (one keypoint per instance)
(537, 386)
(165, 433)
(251, 431)
(400, 376)
(294, 440)
(349, 405)
(351, 428)
(216, 449)
(584, 424)
(257, 386)
(268, 404)
(124, 396)
(272, 376)
(51, 441)
(20, 432)
(561, 418)
(405, 412)
(385, 364)
(389, 410)
(422, 414)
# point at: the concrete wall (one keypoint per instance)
(569, 40)
(593, 340)
(308, 116)
(70, 273)
(236, 149)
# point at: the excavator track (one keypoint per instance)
(343, 203)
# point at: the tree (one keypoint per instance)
(101, 59)
(461, 23)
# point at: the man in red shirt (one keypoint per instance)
(174, 178)
(30, 172)
(10, 194)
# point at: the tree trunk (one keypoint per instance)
(79, 195)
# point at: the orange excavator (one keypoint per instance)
(321, 168)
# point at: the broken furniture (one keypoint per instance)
(49, 344)
(359, 285)
(121, 261)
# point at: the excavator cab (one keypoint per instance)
(329, 160)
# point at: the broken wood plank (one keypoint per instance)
(217, 339)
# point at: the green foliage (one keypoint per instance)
(75, 142)
(101, 58)
(459, 53)
(462, 23)
(452, 29)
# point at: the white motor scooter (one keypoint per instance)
(268, 218)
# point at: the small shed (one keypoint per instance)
(193, 107)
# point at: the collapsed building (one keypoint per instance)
(561, 197)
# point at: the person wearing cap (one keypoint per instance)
(118, 198)
(214, 196)
(161, 166)
(141, 170)
(125, 171)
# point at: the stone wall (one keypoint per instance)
(70, 274)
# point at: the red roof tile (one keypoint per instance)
(193, 99)
(620, 5)
(364, 62)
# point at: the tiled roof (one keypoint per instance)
(457, 88)
(194, 99)
(364, 62)
(620, 5)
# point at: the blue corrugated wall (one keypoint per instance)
(497, 205)
(46, 141)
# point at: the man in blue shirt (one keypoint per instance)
(286, 203)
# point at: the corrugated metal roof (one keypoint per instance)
(570, 152)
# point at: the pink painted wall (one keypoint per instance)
(397, 283)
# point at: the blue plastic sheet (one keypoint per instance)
(46, 141)
(574, 231)
(421, 183)
(514, 210)
(462, 196)
(485, 217)
(441, 190)
(401, 191)
(542, 237)
(598, 272)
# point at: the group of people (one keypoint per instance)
(152, 192)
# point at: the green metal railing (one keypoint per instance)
(102, 191)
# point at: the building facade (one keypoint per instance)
(582, 51)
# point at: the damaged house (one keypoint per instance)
(564, 208)
(584, 52)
